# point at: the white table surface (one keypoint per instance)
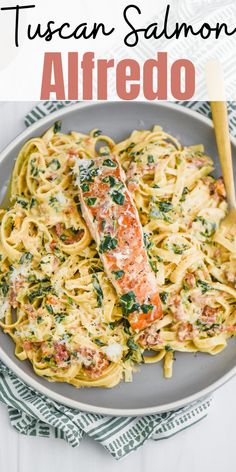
(208, 446)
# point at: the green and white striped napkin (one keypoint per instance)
(33, 414)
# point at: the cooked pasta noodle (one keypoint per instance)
(57, 302)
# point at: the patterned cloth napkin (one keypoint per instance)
(33, 414)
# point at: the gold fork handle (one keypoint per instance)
(220, 120)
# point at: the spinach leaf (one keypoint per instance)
(34, 171)
(109, 163)
(33, 202)
(123, 321)
(205, 326)
(97, 133)
(21, 202)
(150, 159)
(99, 342)
(49, 308)
(165, 207)
(39, 292)
(59, 317)
(204, 286)
(132, 345)
(84, 187)
(168, 348)
(164, 297)
(107, 244)
(97, 288)
(109, 179)
(118, 274)
(184, 193)
(118, 197)
(146, 308)
(209, 228)
(26, 257)
(128, 303)
(57, 127)
(54, 164)
(90, 201)
(179, 248)
(4, 287)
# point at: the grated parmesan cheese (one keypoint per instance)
(62, 200)
(113, 351)
(17, 273)
(3, 308)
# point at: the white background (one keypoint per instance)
(21, 68)
(209, 446)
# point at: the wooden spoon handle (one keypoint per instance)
(220, 120)
(216, 91)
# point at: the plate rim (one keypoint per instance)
(60, 398)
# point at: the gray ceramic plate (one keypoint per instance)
(194, 376)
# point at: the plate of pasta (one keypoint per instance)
(118, 291)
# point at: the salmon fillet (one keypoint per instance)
(113, 220)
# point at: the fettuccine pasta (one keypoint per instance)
(57, 302)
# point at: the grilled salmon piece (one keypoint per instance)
(113, 220)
